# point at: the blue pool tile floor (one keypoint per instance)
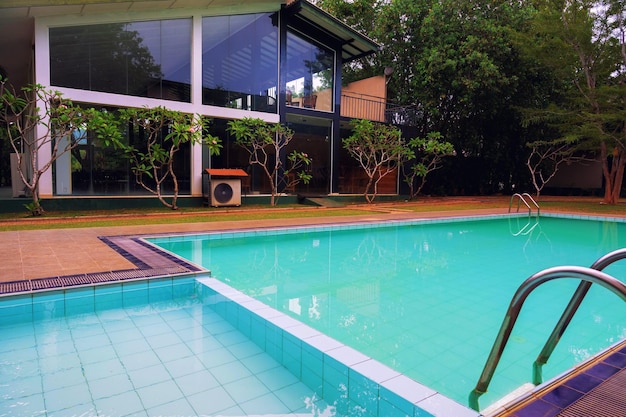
(172, 358)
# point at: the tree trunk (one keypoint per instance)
(613, 176)
(618, 164)
(170, 168)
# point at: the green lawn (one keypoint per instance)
(62, 220)
(72, 219)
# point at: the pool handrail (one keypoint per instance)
(522, 199)
(584, 274)
(568, 313)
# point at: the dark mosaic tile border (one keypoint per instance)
(149, 260)
(577, 394)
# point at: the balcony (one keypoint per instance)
(367, 99)
(376, 109)
(363, 106)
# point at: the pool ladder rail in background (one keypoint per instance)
(526, 229)
(526, 199)
(587, 276)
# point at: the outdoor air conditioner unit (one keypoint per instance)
(225, 192)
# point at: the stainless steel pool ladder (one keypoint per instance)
(524, 198)
(587, 276)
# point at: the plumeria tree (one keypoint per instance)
(42, 126)
(546, 157)
(265, 144)
(165, 131)
(425, 155)
(378, 148)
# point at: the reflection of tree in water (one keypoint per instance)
(369, 275)
(264, 264)
(374, 256)
(106, 57)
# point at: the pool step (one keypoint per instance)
(318, 200)
(514, 396)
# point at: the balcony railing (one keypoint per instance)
(377, 110)
(363, 107)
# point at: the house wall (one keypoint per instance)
(581, 175)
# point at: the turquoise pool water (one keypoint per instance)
(427, 298)
(139, 348)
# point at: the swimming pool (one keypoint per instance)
(427, 297)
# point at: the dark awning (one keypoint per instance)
(354, 44)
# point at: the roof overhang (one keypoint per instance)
(354, 45)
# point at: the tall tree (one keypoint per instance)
(362, 16)
(456, 72)
(582, 43)
(164, 131)
(425, 156)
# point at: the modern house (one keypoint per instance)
(280, 61)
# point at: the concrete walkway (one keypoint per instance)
(60, 252)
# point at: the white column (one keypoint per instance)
(42, 76)
(196, 101)
(63, 169)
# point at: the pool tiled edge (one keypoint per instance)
(93, 298)
(354, 383)
(270, 231)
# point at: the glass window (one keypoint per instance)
(146, 59)
(310, 74)
(313, 137)
(240, 61)
(234, 156)
(93, 168)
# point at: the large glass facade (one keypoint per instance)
(145, 59)
(240, 61)
(240, 70)
(309, 74)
